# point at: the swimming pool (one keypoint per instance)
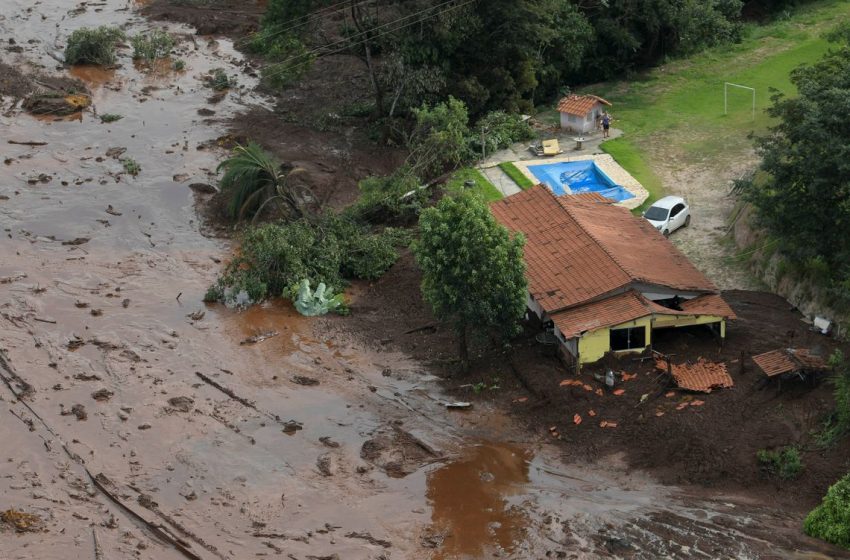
(571, 177)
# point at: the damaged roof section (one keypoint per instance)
(702, 376)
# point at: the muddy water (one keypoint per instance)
(469, 500)
(304, 444)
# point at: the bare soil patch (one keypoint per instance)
(232, 18)
(335, 160)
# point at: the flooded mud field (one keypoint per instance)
(138, 422)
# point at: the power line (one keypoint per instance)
(302, 21)
(351, 42)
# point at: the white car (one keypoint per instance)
(669, 214)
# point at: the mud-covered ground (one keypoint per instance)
(712, 445)
(139, 423)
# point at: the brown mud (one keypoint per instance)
(136, 423)
(231, 18)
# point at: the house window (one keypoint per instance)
(628, 339)
(573, 118)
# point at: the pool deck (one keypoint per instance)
(520, 156)
(606, 164)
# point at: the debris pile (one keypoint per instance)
(702, 376)
(22, 522)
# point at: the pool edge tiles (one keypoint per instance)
(606, 164)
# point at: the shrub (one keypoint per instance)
(131, 166)
(218, 80)
(179, 65)
(441, 138)
(151, 46)
(368, 257)
(110, 117)
(838, 423)
(287, 60)
(830, 521)
(784, 463)
(253, 178)
(93, 46)
(276, 258)
(501, 130)
(396, 198)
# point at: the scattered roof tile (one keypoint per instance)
(579, 104)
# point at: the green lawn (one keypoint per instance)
(675, 112)
(482, 186)
(516, 175)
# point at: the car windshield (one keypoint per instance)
(656, 213)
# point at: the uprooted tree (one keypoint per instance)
(253, 178)
(473, 273)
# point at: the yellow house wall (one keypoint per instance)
(594, 344)
(662, 321)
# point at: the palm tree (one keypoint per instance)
(253, 178)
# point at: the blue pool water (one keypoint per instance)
(571, 177)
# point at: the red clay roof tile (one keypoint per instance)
(608, 312)
(579, 104)
(702, 376)
(788, 360)
(578, 249)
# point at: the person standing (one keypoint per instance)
(606, 124)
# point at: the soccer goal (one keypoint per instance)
(726, 86)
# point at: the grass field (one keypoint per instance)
(516, 175)
(482, 186)
(676, 110)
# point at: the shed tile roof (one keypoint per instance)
(578, 249)
(579, 104)
(788, 360)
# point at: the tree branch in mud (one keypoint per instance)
(7, 374)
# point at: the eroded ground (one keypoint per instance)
(139, 423)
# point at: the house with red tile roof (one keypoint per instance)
(603, 277)
(580, 113)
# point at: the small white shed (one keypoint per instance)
(579, 113)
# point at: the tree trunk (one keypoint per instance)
(379, 93)
(463, 348)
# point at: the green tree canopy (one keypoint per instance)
(802, 194)
(830, 521)
(473, 273)
(440, 139)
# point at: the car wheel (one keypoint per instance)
(666, 233)
(687, 220)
